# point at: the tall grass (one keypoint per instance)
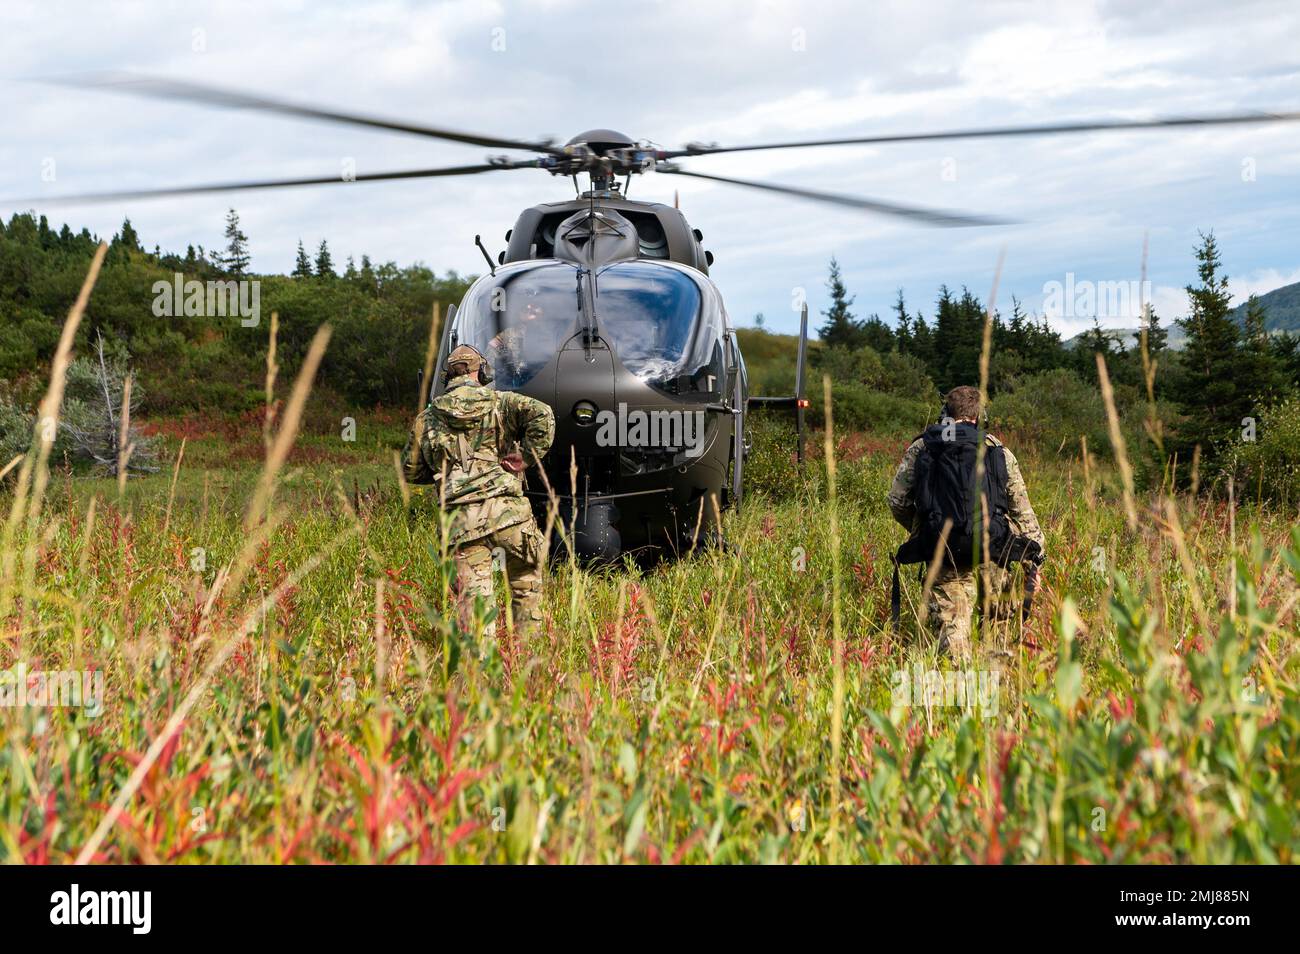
(286, 680)
(685, 714)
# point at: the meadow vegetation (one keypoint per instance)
(284, 679)
(1147, 710)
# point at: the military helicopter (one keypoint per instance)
(602, 307)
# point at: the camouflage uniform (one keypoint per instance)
(456, 445)
(515, 351)
(953, 598)
(505, 351)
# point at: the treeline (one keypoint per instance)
(1227, 400)
(188, 362)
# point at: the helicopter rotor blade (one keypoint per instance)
(936, 217)
(159, 88)
(1227, 119)
(265, 184)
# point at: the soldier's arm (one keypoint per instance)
(531, 423)
(415, 467)
(1020, 510)
(902, 496)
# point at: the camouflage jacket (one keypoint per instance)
(1020, 515)
(456, 445)
(506, 349)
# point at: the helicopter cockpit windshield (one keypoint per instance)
(664, 329)
(664, 326)
(520, 319)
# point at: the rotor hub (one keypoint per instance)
(602, 141)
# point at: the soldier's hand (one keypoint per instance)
(513, 462)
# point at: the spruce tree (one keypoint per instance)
(1157, 336)
(302, 265)
(841, 329)
(1210, 394)
(1260, 370)
(235, 259)
(903, 320)
(1095, 341)
(958, 338)
(1019, 330)
(944, 338)
(875, 334)
(923, 341)
(324, 263)
(128, 238)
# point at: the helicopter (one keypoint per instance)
(602, 307)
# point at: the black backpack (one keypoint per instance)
(944, 482)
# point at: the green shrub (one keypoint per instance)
(770, 467)
(770, 360)
(891, 372)
(1051, 409)
(906, 376)
(15, 432)
(1268, 468)
(860, 408)
(16, 435)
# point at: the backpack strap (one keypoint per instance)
(995, 471)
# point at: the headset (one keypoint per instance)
(485, 375)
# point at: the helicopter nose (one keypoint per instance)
(584, 386)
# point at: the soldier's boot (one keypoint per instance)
(474, 584)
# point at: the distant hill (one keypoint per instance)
(770, 359)
(1281, 308)
(1124, 336)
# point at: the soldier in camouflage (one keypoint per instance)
(471, 446)
(952, 600)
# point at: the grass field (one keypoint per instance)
(298, 692)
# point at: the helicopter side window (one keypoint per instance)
(664, 330)
(520, 319)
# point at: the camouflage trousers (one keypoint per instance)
(954, 599)
(518, 551)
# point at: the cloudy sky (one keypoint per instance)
(673, 72)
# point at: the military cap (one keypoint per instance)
(464, 356)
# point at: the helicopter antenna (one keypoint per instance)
(478, 240)
(592, 224)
